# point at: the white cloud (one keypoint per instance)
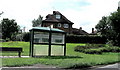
(24, 11)
(88, 16)
(84, 15)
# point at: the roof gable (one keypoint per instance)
(52, 18)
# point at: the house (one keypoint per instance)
(79, 31)
(57, 20)
(94, 32)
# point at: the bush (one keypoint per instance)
(19, 37)
(23, 37)
(93, 51)
(2, 40)
(89, 49)
(88, 46)
(26, 37)
(95, 45)
(96, 48)
(81, 48)
(111, 49)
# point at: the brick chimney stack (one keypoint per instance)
(92, 30)
(80, 28)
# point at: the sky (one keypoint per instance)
(83, 13)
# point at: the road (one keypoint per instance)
(115, 66)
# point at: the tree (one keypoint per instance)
(37, 22)
(115, 23)
(9, 28)
(109, 27)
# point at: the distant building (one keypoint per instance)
(79, 31)
(94, 32)
(57, 20)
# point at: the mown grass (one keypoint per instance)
(23, 45)
(71, 60)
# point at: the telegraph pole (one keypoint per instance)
(118, 5)
(1, 13)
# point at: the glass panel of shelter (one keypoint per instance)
(57, 38)
(57, 50)
(41, 37)
(40, 50)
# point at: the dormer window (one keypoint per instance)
(58, 16)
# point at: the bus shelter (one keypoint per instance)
(45, 41)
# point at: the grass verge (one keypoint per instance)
(71, 60)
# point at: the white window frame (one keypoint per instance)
(59, 25)
(66, 26)
(57, 16)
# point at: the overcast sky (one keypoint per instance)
(83, 13)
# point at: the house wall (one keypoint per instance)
(55, 25)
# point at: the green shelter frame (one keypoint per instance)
(44, 41)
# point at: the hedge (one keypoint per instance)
(85, 39)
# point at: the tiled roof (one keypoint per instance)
(51, 18)
(79, 31)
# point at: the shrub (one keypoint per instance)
(87, 50)
(96, 48)
(2, 40)
(81, 48)
(111, 49)
(92, 51)
(23, 37)
(26, 37)
(88, 46)
(95, 45)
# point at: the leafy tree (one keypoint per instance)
(115, 23)
(26, 37)
(110, 28)
(37, 22)
(102, 25)
(9, 28)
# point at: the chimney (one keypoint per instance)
(54, 12)
(92, 30)
(80, 28)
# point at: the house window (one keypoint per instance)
(66, 25)
(58, 16)
(59, 24)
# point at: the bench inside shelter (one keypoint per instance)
(12, 49)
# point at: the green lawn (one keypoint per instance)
(24, 45)
(71, 60)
